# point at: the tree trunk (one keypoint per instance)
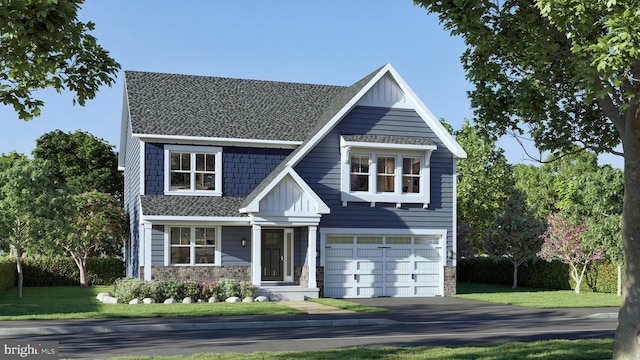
(81, 263)
(619, 287)
(627, 340)
(515, 276)
(20, 275)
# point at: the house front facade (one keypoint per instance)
(305, 190)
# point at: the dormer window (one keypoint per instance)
(385, 169)
(193, 170)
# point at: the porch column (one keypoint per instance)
(147, 250)
(311, 256)
(256, 255)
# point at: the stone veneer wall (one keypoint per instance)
(199, 273)
(449, 280)
(301, 277)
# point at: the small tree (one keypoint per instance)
(516, 234)
(29, 207)
(565, 241)
(97, 226)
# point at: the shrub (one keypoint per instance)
(209, 289)
(130, 288)
(227, 288)
(172, 289)
(62, 271)
(8, 273)
(247, 289)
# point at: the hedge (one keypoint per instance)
(8, 274)
(62, 271)
(600, 277)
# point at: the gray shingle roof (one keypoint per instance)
(202, 106)
(161, 205)
(382, 139)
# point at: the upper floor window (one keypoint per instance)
(193, 170)
(389, 169)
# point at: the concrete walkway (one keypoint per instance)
(311, 307)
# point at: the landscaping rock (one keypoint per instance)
(213, 299)
(102, 295)
(247, 299)
(111, 300)
(135, 302)
(262, 298)
(200, 301)
(187, 300)
(170, 301)
(148, 301)
(233, 299)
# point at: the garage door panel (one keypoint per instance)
(370, 253)
(399, 253)
(367, 279)
(369, 265)
(398, 291)
(428, 266)
(427, 291)
(373, 291)
(337, 278)
(339, 253)
(399, 265)
(428, 253)
(397, 279)
(428, 279)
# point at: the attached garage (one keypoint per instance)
(375, 265)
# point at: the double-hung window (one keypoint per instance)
(191, 245)
(388, 169)
(193, 170)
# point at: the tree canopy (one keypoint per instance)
(81, 162)
(566, 73)
(44, 45)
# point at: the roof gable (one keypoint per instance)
(285, 194)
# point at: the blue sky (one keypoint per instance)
(333, 42)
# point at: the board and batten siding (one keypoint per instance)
(157, 245)
(321, 170)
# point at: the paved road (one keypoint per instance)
(408, 322)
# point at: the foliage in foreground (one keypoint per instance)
(554, 349)
(160, 290)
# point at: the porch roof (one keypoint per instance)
(196, 206)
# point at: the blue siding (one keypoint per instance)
(132, 204)
(243, 168)
(233, 254)
(157, 245)
(154, 169)
(321, 170)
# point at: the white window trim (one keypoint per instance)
(217, 151)
(384, 149)
(192, 247)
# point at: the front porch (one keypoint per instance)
(288, 292)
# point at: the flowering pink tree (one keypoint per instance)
(564, 240)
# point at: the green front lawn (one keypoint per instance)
(556, 349)
(535, 298)
(347, 305)
(53, 303)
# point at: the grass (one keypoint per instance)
(555, 349)
(347, 305)
(535, 298)
(60, 303)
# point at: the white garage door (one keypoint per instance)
(385, 265)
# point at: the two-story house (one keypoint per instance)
(305, 190)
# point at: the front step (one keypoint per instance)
(288, 293)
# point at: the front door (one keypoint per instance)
(272, 254)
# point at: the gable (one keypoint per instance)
(385, 93)
(288, 198)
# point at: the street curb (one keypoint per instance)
(53, 330)
(603, 316)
